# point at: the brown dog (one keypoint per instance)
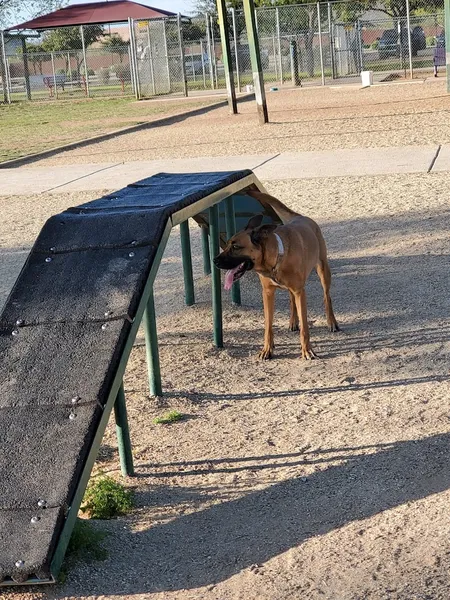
(283, 256)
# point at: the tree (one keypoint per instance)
(69, 38)
(13, 11)
(35, 55)
(116, 45)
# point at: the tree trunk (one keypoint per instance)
(309, 38)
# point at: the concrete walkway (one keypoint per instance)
(287, 165)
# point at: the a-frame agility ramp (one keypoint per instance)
(66, 333)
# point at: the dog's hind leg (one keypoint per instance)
(293, 317)
(300, 300)
(324, 273)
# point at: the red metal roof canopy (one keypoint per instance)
(95, 13)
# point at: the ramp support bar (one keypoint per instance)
(214, 245)
(123, 434)
(151, 347)
(187, 263)
(205, 250)
(230, 221)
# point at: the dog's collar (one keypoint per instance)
(280, 244)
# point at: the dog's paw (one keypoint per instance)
(265, 354)
(294, 327)
(309, 354)
(334, 327)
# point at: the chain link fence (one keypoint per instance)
(86, 62)
(309, 43)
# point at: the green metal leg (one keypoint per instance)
(205, 249)
(151, 347)
(123, 434)
(231, 230)
(187, 263)
(215, 279)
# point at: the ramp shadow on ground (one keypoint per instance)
(212, 545)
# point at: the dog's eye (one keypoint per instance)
(236, 247)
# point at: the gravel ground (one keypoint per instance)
(301, 119)
(289, 479)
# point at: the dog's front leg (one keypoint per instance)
(300, 301)
(268, 291)
(293, 316)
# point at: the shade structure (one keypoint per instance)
(98, 13)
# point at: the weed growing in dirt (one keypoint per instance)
(172, 417)
(85, 545)
(106, 499)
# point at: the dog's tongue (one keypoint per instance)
(229, 276)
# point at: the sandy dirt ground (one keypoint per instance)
(300, 119)
(288, 479)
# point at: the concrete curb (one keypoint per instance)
(23, 160)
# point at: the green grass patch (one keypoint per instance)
(105, 498)
(85, 544)
(30, 127)
(171, 417)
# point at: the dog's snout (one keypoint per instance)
(216, 260)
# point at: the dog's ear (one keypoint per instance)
(258, 234)
(254, 222)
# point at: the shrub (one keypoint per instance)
(105, 499)
(431, 41)
(122, 72)
(104, 75)
(374, 45)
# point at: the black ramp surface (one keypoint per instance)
(63, 331)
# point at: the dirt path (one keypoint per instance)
(288, 479)
(300, 119)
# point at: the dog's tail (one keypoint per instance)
(285, 213)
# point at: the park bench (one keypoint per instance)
(51, 81)
(438, 59)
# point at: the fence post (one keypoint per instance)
(255, 56)
(130, 61)
(183, 66)
(213, 43)
(236, 49)
(26, 71)
(294, 63)
(226, 56)
(447, 40)
(203, 64)
(150, 58)
(166, 50)
(54, 74)
(208, 40)
(360, 47)
(4, 70)
(86, 74)
(280, 57)
(320, 44)
(408, 26)
(134, 66)
(331, 37)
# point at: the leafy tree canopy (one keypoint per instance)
(13, 12)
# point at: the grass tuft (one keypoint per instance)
(171, 417)
(105, 498)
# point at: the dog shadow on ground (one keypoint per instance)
(213, 544)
